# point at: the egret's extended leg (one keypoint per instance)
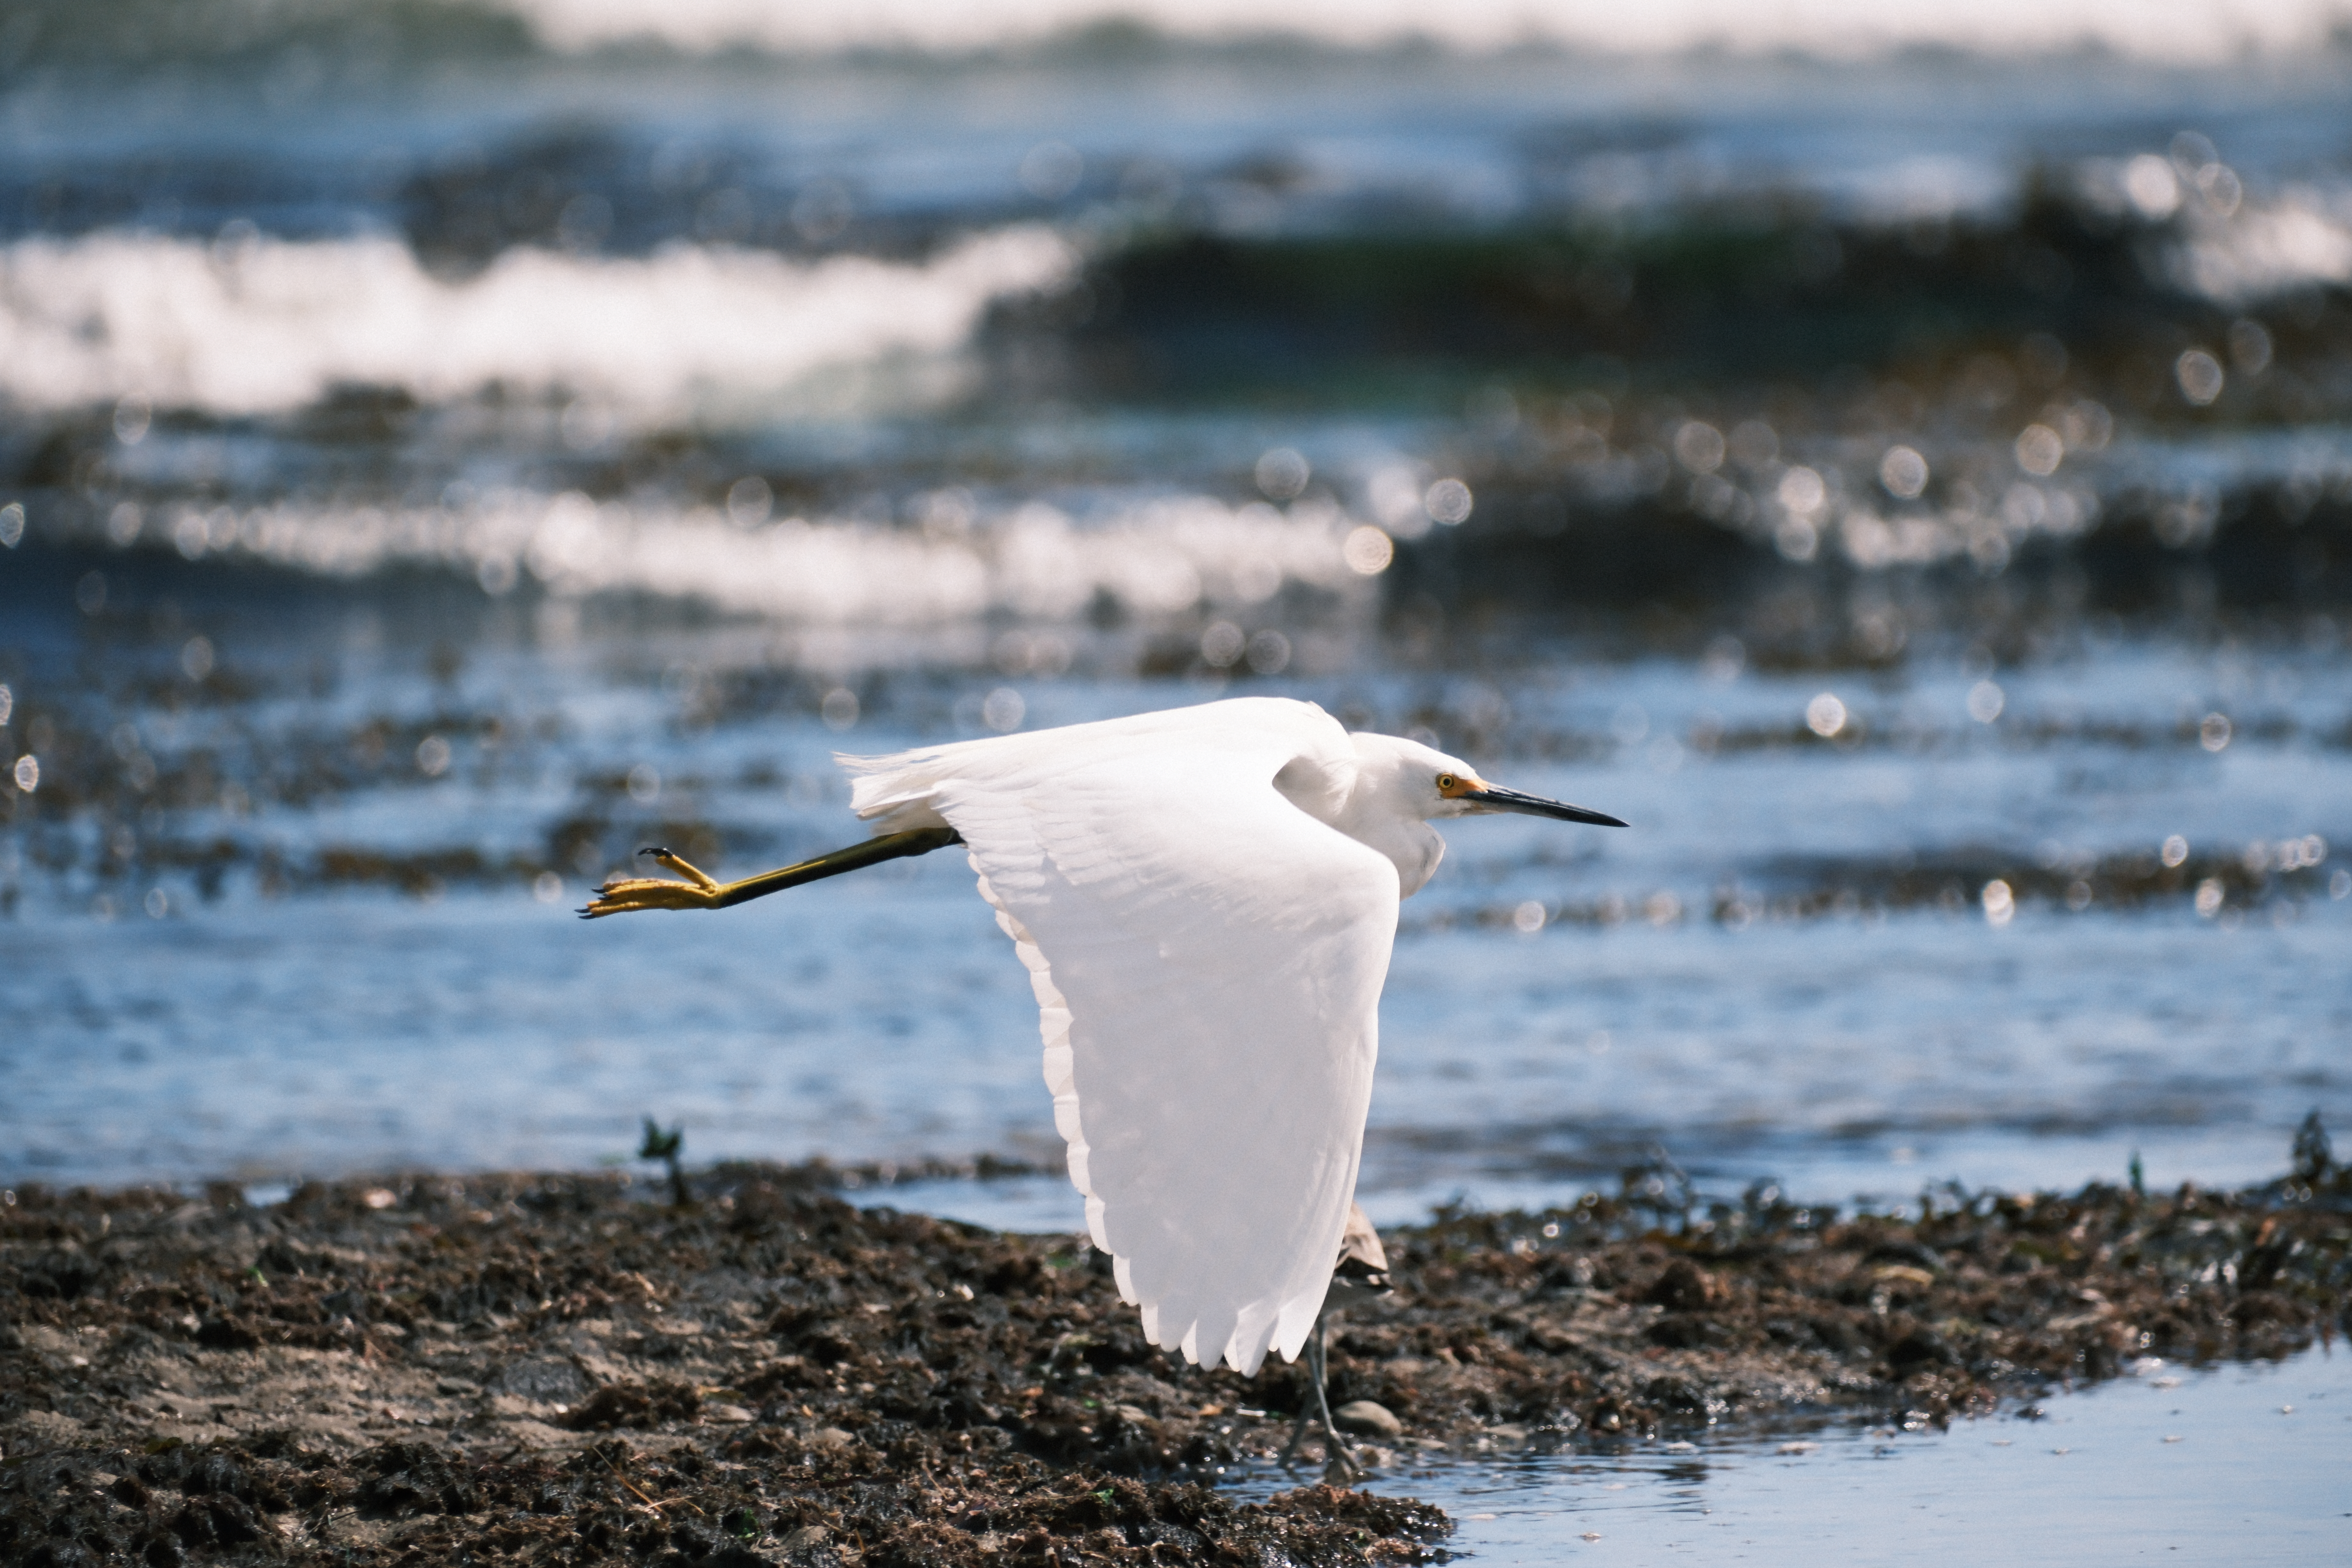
(1343, 1463)
(624, 895)
(1306, 1405)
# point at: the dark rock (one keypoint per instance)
(549, 1380)
(1834, 1333)
(1909, 1253)
(1682, 1398)
(641, 1404)
(226, 1333)
(60, 1275)
(1369, 1417)
(1683, 1288)
(1689, 1332)
(415, 1477)
(1919, 1348)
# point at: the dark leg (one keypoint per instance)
(625, 895)
(1309, 1372)
(1342, 1462)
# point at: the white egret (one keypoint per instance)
(1205, 899)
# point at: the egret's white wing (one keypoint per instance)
(1207, 960)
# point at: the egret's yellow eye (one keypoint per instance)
(1447, 784)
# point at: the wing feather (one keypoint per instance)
(1207, 960)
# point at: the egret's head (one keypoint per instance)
(1426, 783)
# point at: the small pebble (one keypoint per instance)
(2172, 1438)
(1592, 1535)
(1369, 1417)
(1797, 1447)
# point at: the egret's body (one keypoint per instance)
(1205, 900)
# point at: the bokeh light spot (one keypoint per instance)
(748, 501)
(2039, 450)
(1448, 502)
(1282, 473)
(1699, 447)
(1269, 653)
(133, 415)
(1004, 709)
(1802, 490)
(1367, 551)
(2152, 186)
(1903, 472)
(2200, 375)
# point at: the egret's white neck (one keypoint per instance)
(1387, 809)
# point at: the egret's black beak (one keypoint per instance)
(1492, 798)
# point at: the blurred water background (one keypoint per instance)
(445, 447)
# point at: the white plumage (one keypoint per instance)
(1205, 899)
(1208, 960)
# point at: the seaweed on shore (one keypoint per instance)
(550, 1368)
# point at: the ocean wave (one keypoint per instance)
(2263, 251)
(257, 325)
(320, 40)
(1161, 556)
(2203, 29)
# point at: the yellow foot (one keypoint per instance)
(624, 895)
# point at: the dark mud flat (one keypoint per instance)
(557, 1369)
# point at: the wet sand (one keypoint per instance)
(566, 1369)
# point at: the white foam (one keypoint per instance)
(2265, 249)
(270, 325)
(1153, 557)
(2208, 30)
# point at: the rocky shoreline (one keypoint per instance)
(567, 1369)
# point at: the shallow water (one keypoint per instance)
(2233, 1463)
(1559, 1001)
